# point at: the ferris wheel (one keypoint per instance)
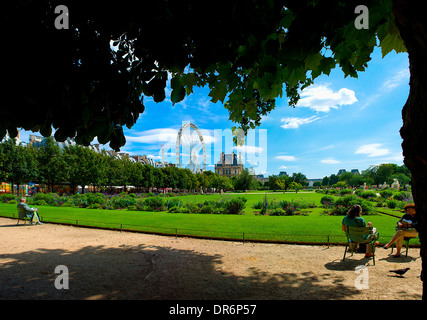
(190, 148)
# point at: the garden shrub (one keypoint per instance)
(95, 198)
(368, 195)
(192, 207)
(386, 194)
(51, 199)
(219, 210)
(345, 191)
(40, 203)
(391, 203)
(327, 201)
(402, 196)
(6, 197)
(343, 204)
(173, 202)
(207, 209)
(276, 212)
(235, 205)
(258, 205)
(80, 200)
(291, 210)
(122, 201)
(179, 210)
(154, 202)
(95, 206)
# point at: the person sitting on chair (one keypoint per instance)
(405, 228)
(354, 219)
(29, 212)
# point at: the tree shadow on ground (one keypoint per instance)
(152, 272)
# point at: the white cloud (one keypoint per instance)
(153, 136)
(372, 150)
(249, 149)
(330, 161)
(321, 98)
(167, 135)
(286, 158)
(401, 77)
(282, 167)
(293, 123)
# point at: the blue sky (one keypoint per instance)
(339, 123)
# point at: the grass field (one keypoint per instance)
(316, 227)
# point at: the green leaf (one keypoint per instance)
(312, 62)
(296, 74)
(178, 91)
(392, 42)
(218, 92)
(389, 37)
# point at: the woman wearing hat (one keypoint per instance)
(405, 228)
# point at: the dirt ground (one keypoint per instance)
(122, 265)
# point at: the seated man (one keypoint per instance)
(29, 212)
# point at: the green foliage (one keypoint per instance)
(244, 181)
(368, 195)
(345, 191)
(343, 204)
(154, 203)
(235, 205)
(386, 194)
(327, 201)
(246, 61)
(6, 197)
(391, 203)
(401, 196)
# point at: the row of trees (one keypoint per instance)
(77, 165)
(296, 182)
(374, 175)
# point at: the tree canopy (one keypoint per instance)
(90, 79)
(76, 165)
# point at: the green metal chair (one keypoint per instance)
(360, 235)
(23, 215)
(406, 243)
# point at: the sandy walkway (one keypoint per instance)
(114, 265)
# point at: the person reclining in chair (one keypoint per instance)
(29, 212)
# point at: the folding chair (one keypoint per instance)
(406, 243)
(22, 215)
(359, 235)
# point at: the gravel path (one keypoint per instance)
(122, 265)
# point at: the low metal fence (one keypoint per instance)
(246, 236)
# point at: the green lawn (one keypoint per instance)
(316, 227)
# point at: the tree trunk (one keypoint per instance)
(412, 24)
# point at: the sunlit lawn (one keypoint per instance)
(316, 227)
